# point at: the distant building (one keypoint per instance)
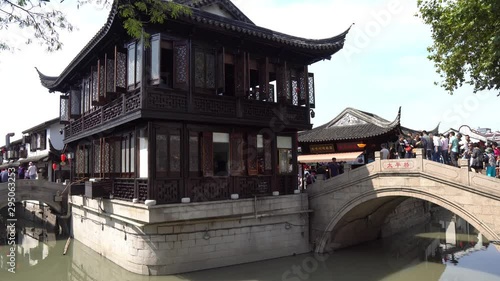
(352, 136)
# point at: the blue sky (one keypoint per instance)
(382, 66)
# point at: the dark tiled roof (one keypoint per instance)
(227, 5)
(319, 48)
(362, 125)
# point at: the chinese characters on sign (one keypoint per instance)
(398, 165)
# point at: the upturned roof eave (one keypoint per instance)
(53, 82)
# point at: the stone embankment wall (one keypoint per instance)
(199, 236)
(409, 213)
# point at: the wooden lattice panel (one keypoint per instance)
(254, 110)
(215, 106)
(166, 101)
(310, 86)
(209, 189)
(142, 189)
(91, 120)
(124, 189)
(121, 70)
(133, 102)
(167, 191)
(181, 58)
(64, 109)
(113, 110)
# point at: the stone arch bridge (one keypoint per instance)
(383, 184)
(53, 194)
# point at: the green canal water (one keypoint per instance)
(446, 249)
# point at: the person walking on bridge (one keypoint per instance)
(31, 171)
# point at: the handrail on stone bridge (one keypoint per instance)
(418, 165)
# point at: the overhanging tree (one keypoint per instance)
(466, 47)
(43, 23)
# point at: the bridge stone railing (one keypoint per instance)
(411, 167)
(53, 194)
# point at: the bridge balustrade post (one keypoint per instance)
(464, 170)
(378, 165)
(419, 156)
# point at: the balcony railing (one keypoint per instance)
(172, 101)
(120, 106)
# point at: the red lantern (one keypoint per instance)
(54, 166)
(63, 157)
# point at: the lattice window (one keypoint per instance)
(106, 159)
(102, 81)
(199, 69)
(181, 64)
(168, 153)
(120, 70)
(94, 86)
(138, 64)
(287, 83)
(97, 157)
(76, 103)
(295, 92)
(80, 161)
(268, 154)
(64, 110)
(110, 76)
(205, 69)
(175, 152)
(131, 65)
(312, 100)
(207, 154)
(33, 142)
(194, 153)
(236, 150)
(302, 88)
(252, 155)
(42, 136)
(271, 93)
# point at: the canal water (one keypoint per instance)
(445, 249)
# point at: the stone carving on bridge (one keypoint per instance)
(398, 165)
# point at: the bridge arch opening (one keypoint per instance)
(54, 206)
(366, 213)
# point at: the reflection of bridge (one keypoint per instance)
(51, 193)
(344, 205)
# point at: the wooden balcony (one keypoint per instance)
(167, 104)
(120, 107)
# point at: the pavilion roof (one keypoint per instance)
(351, 124)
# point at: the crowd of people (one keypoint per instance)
(447, 149)
(21, 172)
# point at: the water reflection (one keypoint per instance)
(446, 249)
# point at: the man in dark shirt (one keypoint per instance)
(333, 168)
(20, 172)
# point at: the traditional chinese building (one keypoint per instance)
(352, 136)
(207, 109)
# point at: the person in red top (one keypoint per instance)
(496, 151)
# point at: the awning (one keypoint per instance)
(315, 158)
(37, 158)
